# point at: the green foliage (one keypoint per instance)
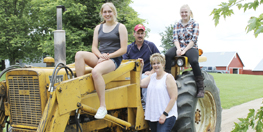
(27, 26)
(128, 17)
(167, 38)
(79, 21)
(255, 23)
(254, 120)
(17, 37)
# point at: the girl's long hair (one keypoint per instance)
(186, 6)
(110, 4)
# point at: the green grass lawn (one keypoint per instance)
(236, 89)
(3, 77)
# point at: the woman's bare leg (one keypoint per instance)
(82, 58)
(99, 83)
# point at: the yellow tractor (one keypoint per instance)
(50, 99)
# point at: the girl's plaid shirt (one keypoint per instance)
(184, 34)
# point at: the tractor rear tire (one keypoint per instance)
(197, 115)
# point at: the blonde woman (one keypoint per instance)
(185, 38)
(112, 39)
(161, 107)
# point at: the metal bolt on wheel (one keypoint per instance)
(205, 114)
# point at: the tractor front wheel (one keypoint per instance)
(197, 115)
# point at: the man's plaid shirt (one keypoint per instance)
(184, 34)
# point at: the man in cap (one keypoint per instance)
(141, 48)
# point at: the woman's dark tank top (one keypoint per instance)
(109, 42)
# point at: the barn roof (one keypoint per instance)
(259, 67)
(219, 58)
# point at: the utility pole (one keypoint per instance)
(60, 38)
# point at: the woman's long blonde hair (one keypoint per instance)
(112, 8)
(186, 6)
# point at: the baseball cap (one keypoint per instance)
(138, 27)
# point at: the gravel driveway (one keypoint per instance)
(229, 116)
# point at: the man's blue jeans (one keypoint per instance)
(144, 93)
(167, 126)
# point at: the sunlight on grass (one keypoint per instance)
(3, 77)
(236, 89)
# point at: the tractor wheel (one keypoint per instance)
(197, 115)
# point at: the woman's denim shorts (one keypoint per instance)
(117, 61)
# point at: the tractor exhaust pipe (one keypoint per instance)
(60, 38)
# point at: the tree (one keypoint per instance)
(17, 40)
(254, 118)
(167, 38)
(79, 21)
(26, 26)
(255, 23)
(2, 65)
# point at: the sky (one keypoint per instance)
(228, 35)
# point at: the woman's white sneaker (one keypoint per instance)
(101, 113)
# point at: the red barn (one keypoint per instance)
(227, 62)
(258, 70)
